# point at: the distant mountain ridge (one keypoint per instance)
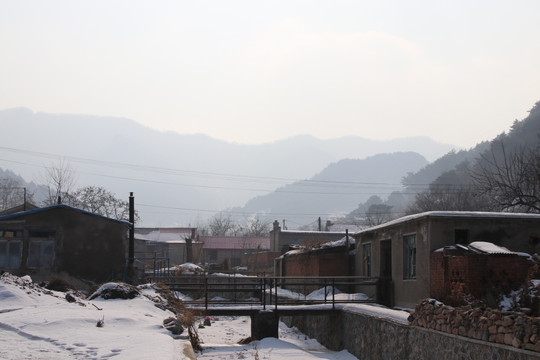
(177, 179)
(359, 179)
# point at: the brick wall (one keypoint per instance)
(317, 264)
(454, 273)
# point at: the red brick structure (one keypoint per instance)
(456, 272)
(323, 262)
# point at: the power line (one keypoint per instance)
(173, 171)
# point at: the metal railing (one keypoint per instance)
(208, 290)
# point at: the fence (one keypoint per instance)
(247, 290)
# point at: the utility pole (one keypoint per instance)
(131, 254)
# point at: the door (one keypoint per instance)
(386, 285)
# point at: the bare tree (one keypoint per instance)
(99, 200)
(510, 178)
(255, 226)
(60, 178)
(378, 214)
(222, 225)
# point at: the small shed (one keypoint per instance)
(476, 269)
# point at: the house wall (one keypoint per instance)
(432, 232)
(86, 246)
(406, 292)
(316, 264)
(516, 234)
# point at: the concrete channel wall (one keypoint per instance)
(369, 337)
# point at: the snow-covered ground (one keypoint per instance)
(36, 323)
(220, 342)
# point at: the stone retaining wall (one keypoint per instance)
(369, 337)
(501, 327)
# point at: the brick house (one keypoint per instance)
(399, 252)
(50, 240)
(229, 250)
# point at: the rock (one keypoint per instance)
(173, 325)
(70, 297)
(507, 321)
(508, 339)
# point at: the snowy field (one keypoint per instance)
(36, 323)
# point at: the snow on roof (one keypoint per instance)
(489, 248)
(344, 227)
(462, 214)
(338, 243)
(301, 232)
(235, 243)
(167, 235)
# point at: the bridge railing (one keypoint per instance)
(208, 290)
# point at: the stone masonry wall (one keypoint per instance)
(368, 337)
(509, 328)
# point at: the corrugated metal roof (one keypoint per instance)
(489, 248)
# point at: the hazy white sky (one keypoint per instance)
(257, 71)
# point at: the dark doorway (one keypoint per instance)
(386, 285)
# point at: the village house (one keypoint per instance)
(228, 251)
(281, 240)
(55, 239)
(176, 245)
(399, 252)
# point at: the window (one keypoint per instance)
(366, 251)
(211, 254)
(461, 236)
(409, 257)
(10, 254)
(41, 254)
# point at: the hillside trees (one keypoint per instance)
(511, 178)
(452, 191)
